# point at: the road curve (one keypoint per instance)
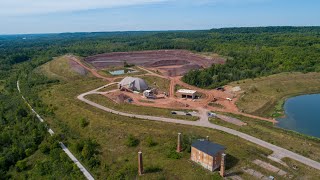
(64, 148)
(203, 122)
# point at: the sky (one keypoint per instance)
(55, 16)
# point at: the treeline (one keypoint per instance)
(254, 52)
(251, 52)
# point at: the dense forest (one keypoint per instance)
(250, 53)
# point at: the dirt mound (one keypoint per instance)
(117, 97)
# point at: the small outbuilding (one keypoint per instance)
(186, 93)
(133, 84)
(207, 154)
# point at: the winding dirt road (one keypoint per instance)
(278, 152)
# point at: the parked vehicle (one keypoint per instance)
(220, 89)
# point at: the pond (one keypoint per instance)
(122, 71)
(302, 115)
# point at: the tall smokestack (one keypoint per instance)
(179, 148)
(207, 138)
(140, 164)
(223, 165)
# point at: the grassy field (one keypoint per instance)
(304, 145)
(156, 82)
(108, 88)
(60, 68)
(112, 131)
(265, 96)
(118, 161)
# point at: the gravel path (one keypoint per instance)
(203, 122)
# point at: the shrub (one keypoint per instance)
(21, 165)
(153, 169)
(150, 142)
(94, 162)
(172, 154)
(132, 141)
(253, 89)
(84, 123)
(44, 148)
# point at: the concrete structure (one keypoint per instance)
(179, 147)
(133, 84)
(186, 93)
(207, 154)
(140, 163)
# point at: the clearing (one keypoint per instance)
(265, 96)
(169, 62)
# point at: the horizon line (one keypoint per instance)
(168, 30)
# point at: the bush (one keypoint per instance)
(126, 65)
(44, 148)
(21, 165)
(153, 169)
(172, 154)
(29, 151)
(84, 123)
(127, 171)
(94, 162)
(150, 142)
(90, 148)
(132, 141)
(253, 89)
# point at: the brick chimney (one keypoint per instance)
(223, 165)
(179, 148)
(140, 164)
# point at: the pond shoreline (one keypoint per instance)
(300, 114)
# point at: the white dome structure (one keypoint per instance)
(134, 84)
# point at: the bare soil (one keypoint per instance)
(181, 60)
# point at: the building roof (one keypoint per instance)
(186, 91)
(207, 147)
(134, 83)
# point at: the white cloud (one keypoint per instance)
(30, 7)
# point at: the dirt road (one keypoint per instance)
(203, 122)
(230, 107)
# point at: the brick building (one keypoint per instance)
(207, 154)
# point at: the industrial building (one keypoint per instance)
(133, 84)
(186, 93)
(208, 154)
